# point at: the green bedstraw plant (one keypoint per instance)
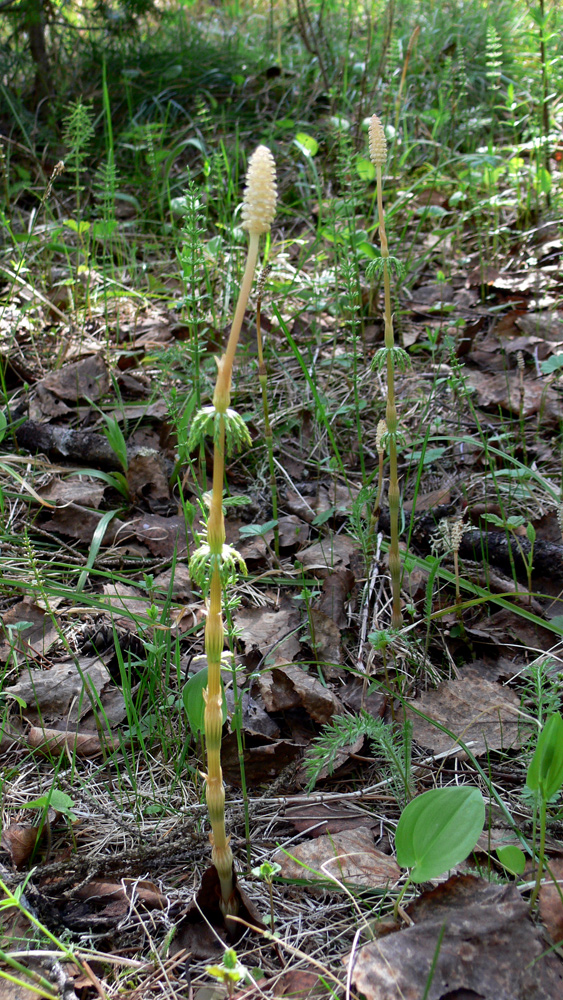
(390, 357)
(213, 565)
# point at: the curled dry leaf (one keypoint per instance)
(81, 744)
(126, 890)
(147, 479)
(161, 535)
(324, 636)
(291, 687)
(37, 639)
(76, 521)
(263, 759)
(77, 489)
(300, 985)
(19, 840)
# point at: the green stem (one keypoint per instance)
(541, 858)
(399, 897)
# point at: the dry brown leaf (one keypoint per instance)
(87, 379)
(505, 626)
(76, 489)
(202, 929)
(34, 641)
(318, 818)
(331, 553)
(11, 991)
(181, 583)
(158, 410)
(161, 535)
(147, 479)
(485, 716)
(325, 639)
(291, 687)
(270, 633)
(551, 907)
(546, 325)
(293, 531)
(19, 840)
(62, 691)
(129, 599)
(504, 390)
(263, 759)
(488, 949)
(356, 696)
(44, 406)
(336, 589)
(349, 856)
(299, 985)
(255, 720)
(75, 521)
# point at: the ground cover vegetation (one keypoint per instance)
(309, 545)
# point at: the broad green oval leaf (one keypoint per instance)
(194, 704)
(512, 858)
(545, 773)
(552, 364)
(306, 143)
(365, 169)
(438, 829)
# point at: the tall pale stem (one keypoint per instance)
(222, 396)
(214, 636)
(214, 632)
(392, 422)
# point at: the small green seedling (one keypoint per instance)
(229, 972)
(437, 830)
(57, 800)
(544, 779)
(267, 871)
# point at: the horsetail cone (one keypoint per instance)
(260, 193)
(258, 211)
(377, 142)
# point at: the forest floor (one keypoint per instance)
(104, 827)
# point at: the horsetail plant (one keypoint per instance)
(390, 357)
(213, 566)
